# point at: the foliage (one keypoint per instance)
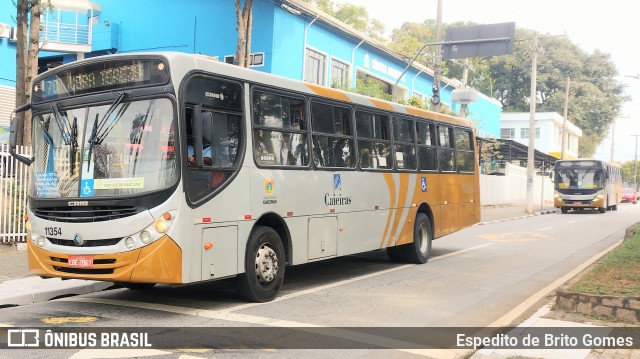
(490, 155)
(353, 15)
(618, 273)
(628, 171)
(595, 94)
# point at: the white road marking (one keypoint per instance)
(226, 314)
(545, 228)
(347, 281)
(572, 221)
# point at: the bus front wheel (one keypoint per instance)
(264, 266)
(420, 250)
(564, 209)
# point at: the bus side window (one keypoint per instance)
(280, 138)
(404, 143)
(465, 157)
(333, 144)
(445, 148)
(374, 142)
(427, 153)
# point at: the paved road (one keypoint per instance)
(480, 276)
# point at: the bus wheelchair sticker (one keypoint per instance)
(423, 184)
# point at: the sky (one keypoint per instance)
(610, 27)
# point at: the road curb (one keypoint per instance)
(33, 289)
(539, 213)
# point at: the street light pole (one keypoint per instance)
(532, 127)
(435, 105)
(564, 119)
(635, 163)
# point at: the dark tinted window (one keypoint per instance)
(333, 144)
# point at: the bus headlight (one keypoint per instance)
(27, 226)
(161, 226)
(40, 241)
(128, 242)
(145, 237)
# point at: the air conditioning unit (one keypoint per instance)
(5, 31)
(13, 37)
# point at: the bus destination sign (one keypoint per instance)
(100, 76)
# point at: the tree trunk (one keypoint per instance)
(21, 61)
(32, 64)
(248, 7)
(244, 19)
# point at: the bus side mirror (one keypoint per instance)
(13, 139)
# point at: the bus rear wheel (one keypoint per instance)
(564, 209)
(419, 251)
(264, 266)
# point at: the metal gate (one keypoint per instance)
(13, 194)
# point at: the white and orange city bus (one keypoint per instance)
(176, 168)
(587, 183)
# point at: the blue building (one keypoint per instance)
(290, 38)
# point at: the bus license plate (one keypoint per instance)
(81, 261)
(577, 202)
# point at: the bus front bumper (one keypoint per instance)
(159, 262)
(598, 202)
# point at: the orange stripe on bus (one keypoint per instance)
(328, 92)
(388, 177)
(404, 190)
(382, 104)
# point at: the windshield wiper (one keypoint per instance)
(92, 139)
(65, 131)
(104, 132)
(98, 125)
(74, 145)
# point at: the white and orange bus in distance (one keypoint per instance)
(176, 168)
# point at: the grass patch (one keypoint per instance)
(617, 273)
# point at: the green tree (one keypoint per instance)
(595, 94)
(628, 172)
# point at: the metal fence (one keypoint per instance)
(13, 194)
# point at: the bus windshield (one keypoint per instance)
(121, 148)
(579, 178)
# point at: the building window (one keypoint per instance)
(339, 74)
(507, 133)
(256, 59)
(316, 64)
(524, 132)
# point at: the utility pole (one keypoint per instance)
(635, 163)
(532, 127)
(437, 66)
(613, 127)
(564, 120)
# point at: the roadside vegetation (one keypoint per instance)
(617, 273)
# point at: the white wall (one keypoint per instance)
(512, 188)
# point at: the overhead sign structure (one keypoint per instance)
(479, 41)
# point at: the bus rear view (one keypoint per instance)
(581, 184)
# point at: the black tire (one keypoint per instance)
(138, 286)
(419, 251)
(614, 207)
(264, 266)
(602, 209)
(564, 209)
